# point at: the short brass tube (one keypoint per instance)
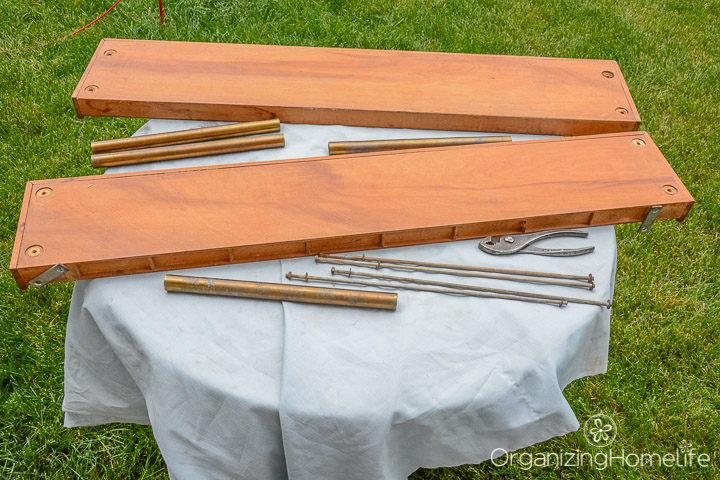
(280, 292)
(173, 152)
(187, 136)
(338, 148)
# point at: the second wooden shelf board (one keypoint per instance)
(375, 88)
(163, 220)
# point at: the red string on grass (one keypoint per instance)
(79, 30)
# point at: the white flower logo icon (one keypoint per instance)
(600, 430)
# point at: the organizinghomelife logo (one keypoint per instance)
(600, 431)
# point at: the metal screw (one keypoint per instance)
(509, 239)
(608, 74)
(44, 192)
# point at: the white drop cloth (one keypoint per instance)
(254, 389)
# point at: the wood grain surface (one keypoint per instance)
(162, 220)
(377, 88)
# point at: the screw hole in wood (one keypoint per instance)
(34, 250)
(44, 192)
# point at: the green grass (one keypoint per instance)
(663, 384)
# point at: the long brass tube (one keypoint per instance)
(280, 292)
(446, 291)
(338, 148)
(187, 136)
(173, 152)
(494, 276)
(462, 286)
(584, 278)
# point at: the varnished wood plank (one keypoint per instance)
(379, 88)
(161, 220)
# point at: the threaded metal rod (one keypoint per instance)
(446, 291)
(584, 278)
(378, 264)
(472, 287)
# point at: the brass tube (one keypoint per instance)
(462, 286)
(173, 152)
(187, 136)
(338, 148)
(377, 265)
(583, 278)
(280, 292)
(445, 291)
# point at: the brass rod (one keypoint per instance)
(584, 278)
(338, 148)
(446, 291)
(187, 136)
(173, 152)
(494, 276)
(472, 287)
(280, 292)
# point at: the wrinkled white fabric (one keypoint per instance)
(252, 389)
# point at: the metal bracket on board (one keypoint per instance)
(49, 275)
(650, 218)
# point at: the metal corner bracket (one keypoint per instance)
(49, 275)
(650, 218)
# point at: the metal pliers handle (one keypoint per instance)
(509, 244)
